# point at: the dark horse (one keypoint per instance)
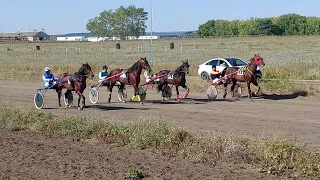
(176, 77)
(75, 82)
(132, 77)
(246, 74)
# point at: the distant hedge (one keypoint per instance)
(287, 24)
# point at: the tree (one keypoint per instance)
(292, 24)
(121, 22)
(206, 29)
(101, 26)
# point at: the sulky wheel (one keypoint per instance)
(94, 95)
(212, 92)
(38, 100)
(68, 99)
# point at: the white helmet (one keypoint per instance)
(47, 69)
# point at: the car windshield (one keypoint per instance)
(236, 62)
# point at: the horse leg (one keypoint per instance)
(59, 96)
(225, 90)
(249, 89)
(160, 85)
(186, 88)
(79, 99)
(121, 88)
(257, 85)
(177, 90)
(83, 100)
(110, 92)
(233, 85)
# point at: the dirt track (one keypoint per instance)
(290, 116)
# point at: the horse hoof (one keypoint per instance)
(141, 103)
(80, 108)
(124, 101)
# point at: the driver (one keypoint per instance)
(49, 79)
(216, 75)
(104, 74)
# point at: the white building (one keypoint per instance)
(73, 38)
(142, 37)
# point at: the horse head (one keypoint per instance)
(185, 66)
(258, 60)
(144, 64)
(86, 70)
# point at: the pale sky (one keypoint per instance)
(66, 16)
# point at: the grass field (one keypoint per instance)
(285, 57)
(274, 155)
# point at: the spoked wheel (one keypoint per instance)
(166, 92)
(38, 100)
(212, 92)
(94, 95)
(68, 99)
(122, 95)
(237, 91)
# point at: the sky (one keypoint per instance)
(67, 16)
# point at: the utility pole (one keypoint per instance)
(151, 35)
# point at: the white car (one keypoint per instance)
(206, 67)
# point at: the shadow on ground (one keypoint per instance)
(113, 108)
(284, 96)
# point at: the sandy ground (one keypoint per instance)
(289, 116)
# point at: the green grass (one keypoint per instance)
(295, 57)
(274, 155)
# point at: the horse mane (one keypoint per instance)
(133, 67)
(178, 70)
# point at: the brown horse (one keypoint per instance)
(75, 82)
(245, 74)
(130, 76)
(176, 77)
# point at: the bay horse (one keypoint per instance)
(132, 77)
(75, 82)
(176, 77)
(246, 74)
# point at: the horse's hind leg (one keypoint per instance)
(110, 92)
(257, 85)
(177, 90)
(234, 82)
(79, 99)
(225, 90)
(59, 96)
(83, 100)
(249, 89)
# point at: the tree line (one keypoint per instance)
(287, 24)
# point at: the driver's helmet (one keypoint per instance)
(46, 69)
(105, 67)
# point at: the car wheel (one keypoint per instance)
(205, 76)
